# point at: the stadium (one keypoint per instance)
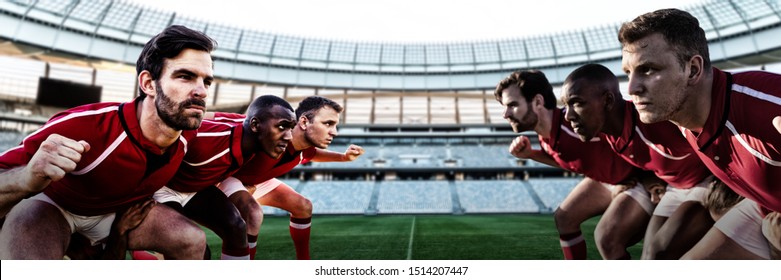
(436, 171)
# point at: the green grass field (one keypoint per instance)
(421, 237)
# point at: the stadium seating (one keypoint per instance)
(433, 197)
(552, 191)
(9, 139)
(429, 197)
(495, 197)
(339, 197)
(379, 83)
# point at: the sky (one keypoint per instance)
(409, 21)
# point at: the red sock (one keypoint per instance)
(299, 232)
(235, 254)
(573, 245)
(142, 255)
(253, 245)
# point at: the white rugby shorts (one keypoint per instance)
(95, 228)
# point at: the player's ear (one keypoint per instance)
(253, 124)
(146, 83)
(609, 98)
(303, 122)
(696, 70)
(538, 100)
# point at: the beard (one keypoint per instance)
(173, 114)
(526, 123)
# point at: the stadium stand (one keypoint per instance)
(495, 197)
(339, 197)
(419, 197)
(552, 191)
(425, 112)
(9, 139)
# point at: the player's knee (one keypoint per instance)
(253, 217)
(304, 207)
(237, 226)
(606, 241)
(656, 250)
(189, 244)
(192, 239)
(562, 219)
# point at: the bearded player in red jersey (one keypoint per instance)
(69, 168)
(529, 104)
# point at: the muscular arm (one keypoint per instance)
(543, 157)
(352, 153)
(521, 148)
(55, 157)
(125, 221)
(15, 186)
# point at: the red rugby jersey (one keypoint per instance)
(658, 147)
(594, 159)
(262, 167)
(738, 142)
(121, 167)
(212, 156)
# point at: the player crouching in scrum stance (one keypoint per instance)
(530, 105)
(316, 128)
(90, 161)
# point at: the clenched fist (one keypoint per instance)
(353, 152)
(521, 147)
(56, 156)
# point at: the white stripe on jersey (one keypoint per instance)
(208, 160)
(184, 141)
(102, 156)
(757, 94)
(213, 134)
(229, 119)
(71, 116)
(11, 149)
(220, 123)
(653, 146)
(748, 147)
(573, 134)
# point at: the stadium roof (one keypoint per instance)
(116, 30)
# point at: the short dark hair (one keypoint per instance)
(261, 107)
(169, 44)
(310, 105)
(598, 75)
(681, 30)
(531, 83)
(721, 198)
(592, 72)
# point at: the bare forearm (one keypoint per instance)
(14, 187)
(116, 247)
(124, 222)
(328, 156)
(543, 157)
